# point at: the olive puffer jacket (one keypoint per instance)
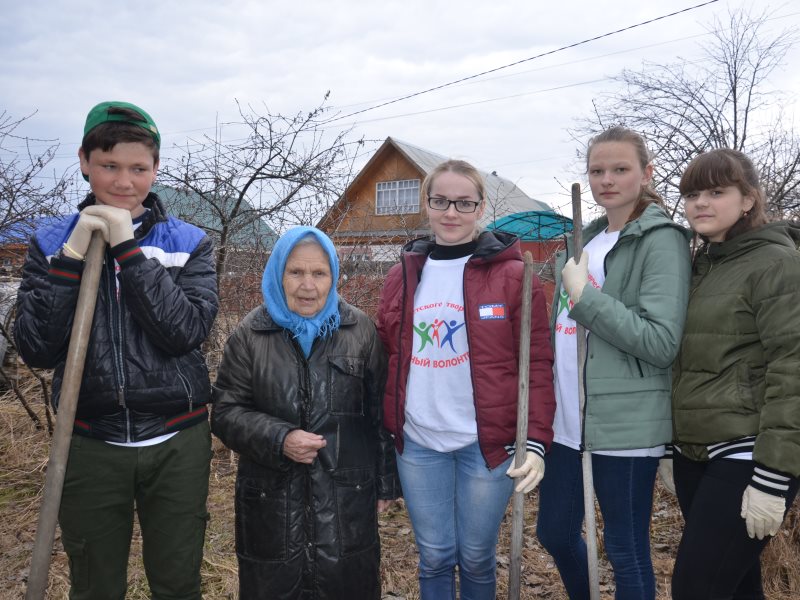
(145, 374)
(306, 531)
(738, 371)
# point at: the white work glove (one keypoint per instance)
(78, 242)
(665, 472)
(574, 276)
(532, 470)
(762, 512)
(120, 224)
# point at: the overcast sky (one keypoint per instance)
(187, 62)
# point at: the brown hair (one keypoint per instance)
(107, 135)
(723, 167)
(622, 134)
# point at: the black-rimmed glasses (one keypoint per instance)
(462, 206)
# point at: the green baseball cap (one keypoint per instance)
(100, 114)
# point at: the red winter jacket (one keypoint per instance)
(492, 275)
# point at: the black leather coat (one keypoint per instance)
(306, 531)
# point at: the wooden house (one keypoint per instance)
(380, 210)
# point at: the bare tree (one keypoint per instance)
(720, 101)
(27, 192)
(285, 170)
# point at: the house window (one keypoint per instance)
(397, 197)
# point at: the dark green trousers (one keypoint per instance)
(167, 485)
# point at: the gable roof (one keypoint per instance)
(252, 231)
(504, 197)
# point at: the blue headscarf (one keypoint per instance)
(305, 329)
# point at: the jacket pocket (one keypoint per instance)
(356, 508)
(750, 387)
(346, 385)
(262, 510)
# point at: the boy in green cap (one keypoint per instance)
(141, 438)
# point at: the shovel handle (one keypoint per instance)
(65, 419)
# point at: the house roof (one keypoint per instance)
(251, 230)
(504, 196)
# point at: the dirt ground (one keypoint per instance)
(23, 458)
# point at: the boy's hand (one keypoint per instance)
(120, 225)
(78, 242)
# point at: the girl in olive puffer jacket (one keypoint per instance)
(736, 390)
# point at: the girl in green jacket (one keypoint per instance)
(736, 384)
(629, 291)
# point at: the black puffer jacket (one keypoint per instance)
(306, 531)
(144, 374)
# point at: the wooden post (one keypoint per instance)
(67, 405)
(586, 456)
(518, 505)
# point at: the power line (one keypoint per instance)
(473, 103)
(519, 62)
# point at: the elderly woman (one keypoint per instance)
(298, 396)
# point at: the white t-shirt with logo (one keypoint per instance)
(567, 422)
(440, 409)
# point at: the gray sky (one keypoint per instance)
(187, 62)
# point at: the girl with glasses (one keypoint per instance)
(450, 320)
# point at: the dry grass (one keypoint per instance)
(23, 457)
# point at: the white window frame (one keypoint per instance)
(397, 197)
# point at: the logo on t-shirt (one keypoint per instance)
(438, 334)
(492, 311)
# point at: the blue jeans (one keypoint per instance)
(456, 505)
(624, 489)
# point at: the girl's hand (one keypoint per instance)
(762, 512)
(531, 472)
(575, 276)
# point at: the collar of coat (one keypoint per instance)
(491, 245)
(263, 321)
(782, 233)
(653, 217)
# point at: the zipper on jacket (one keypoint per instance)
(471, 374)
(585, 395)
(115, 329)
(397, 411)
(306, 412)
(309, 526)
(187, 386)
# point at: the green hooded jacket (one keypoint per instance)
(738, 370)
(635, 323)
